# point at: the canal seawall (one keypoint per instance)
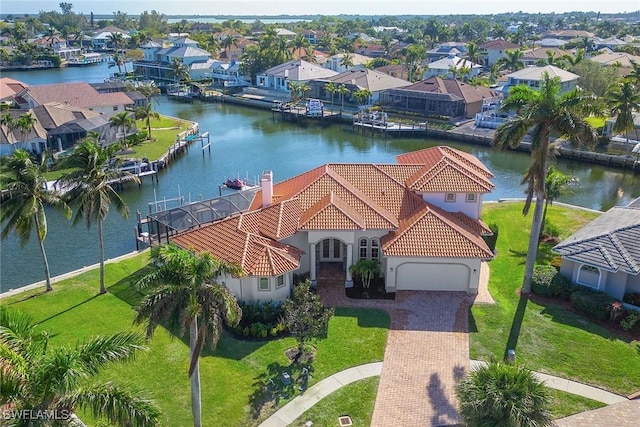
(466, 133)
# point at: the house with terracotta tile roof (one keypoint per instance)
(80, 94)
(420, 217)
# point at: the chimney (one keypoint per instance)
(266, 182)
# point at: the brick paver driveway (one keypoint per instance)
(427, 352)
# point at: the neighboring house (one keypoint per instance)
(226, 33)
(443, 50)
(278, 77)
(438, 97)
(568, 34)
(287, 34)
(236, 50)
(13, 139)
(102, 37)
(395, 70)
(420, 218)
(158, 60)
(620, 140)
(79, 94)
(354, 80)
(493, 50)
(227, 74)
(624, 61)
(557, 43)
(532, 76)
(540, 54)
(604, 255)
(68, 134)
(335, 62)
(443, 67)
(610, 43)
(312, 36)
(139, 100)
(9, 88)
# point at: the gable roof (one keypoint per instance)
(299, 71)
(452, 61)
(9, 87)
(365, 78)
(541, 53)
(624, 59)
(54, 114)
(610, 242)
(80, 94)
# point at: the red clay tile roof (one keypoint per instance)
(332, 211)
(76, 94)
(257, 255)
(432, 232)
(276, 221)
(447, 169)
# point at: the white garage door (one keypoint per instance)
(432, 277)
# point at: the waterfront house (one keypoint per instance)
(9, 88)
(103, 37)
(604, 255)
(626, 141)
(444, 67)
(277, 78)
(12, 139)
(79, 94)
(158, 60)
(356, 79)
(419, 217)
(533, 75)
(493, 50)
(440, 97)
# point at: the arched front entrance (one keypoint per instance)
(331, 259)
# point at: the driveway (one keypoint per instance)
(427, 352)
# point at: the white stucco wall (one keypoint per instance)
(246, 289)
(471, 209)
(434, 274)
(615, 284)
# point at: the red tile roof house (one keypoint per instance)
(419, 217)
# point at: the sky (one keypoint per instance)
(324, 7)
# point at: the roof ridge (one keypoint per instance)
(622, 249)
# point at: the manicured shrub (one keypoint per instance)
(561, 287)
(260, 320)
(593, 304)
(493, 239)
(542, 279)
(630, 320)
(632, 298)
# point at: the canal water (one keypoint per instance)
(244, 143)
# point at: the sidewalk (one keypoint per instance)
(623, 413)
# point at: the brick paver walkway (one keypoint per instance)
(427, 352)
(625, 414)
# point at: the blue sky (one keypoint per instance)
(325, 7)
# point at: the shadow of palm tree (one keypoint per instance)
(516, 325)
(443, 410)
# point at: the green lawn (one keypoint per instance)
(231, 375)
(546, 338)
(356, 400)
(564, 404)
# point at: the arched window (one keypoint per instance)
(364, 248)
(375, 249)
(589, 276)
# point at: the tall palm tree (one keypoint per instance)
(503, 395)
(122, 120)
(623, 99)
(556, 184)
(24, 124)
(37, 376)
(513, 60)
(541, 112)
(23, 206)
(342, 91)
(184, 293)
(362, 95)
(294, 88)
(146, 113)
(180, 71)
(226, 43)
(473, 53)
(90, 188)
(347, 60)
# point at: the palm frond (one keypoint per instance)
(101, 350)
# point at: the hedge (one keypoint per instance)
(593, 304)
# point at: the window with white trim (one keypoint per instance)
(450, 197)
(589, 276)
(471, 198)
(280, 281)
(263, 284)
(364, 249)
(375, 249)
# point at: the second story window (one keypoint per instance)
(471, 198)
(450, 197)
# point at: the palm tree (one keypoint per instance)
(342, 91)
(347, 60)
(414, 57)
(541, 112)
(332, 89)
(473, 53)
(226, 43)
(117, 41)
(513, 60)
(122, 120)
(503, 395)
(555, 186)
(90, 190)
(24, 124)
(180, 71)
(183, 292)
(37, 376)
(294, 88)
(572, 61)
(623, 99)
(146, 113)
(23, 205)
(366, 269)
(362, 95)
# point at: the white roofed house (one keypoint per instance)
(278, 77)
(532, 76)
(336, 62)
(604, 255)
(444, 67)
(102, 38)
(158, 60)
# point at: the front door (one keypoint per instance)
(331, 250)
